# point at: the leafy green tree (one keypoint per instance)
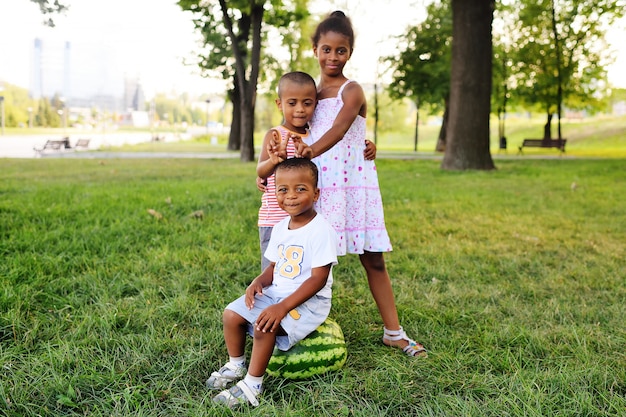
(16, 104)
(233, 36)
(557, 53)
(177, 109)
(47, 114)
(502, 77)
(422, 70)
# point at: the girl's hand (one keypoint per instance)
(261, 184)
(270, 318)
(370, 150)
(302, 149)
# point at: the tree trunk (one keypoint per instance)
(247, 87)
(467, 140)
(248, 100)
(247, 132)
(547, 128)
(417, 123)
(558, 72)
(234, 141)
(441, 140)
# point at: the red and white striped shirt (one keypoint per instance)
(269, 212)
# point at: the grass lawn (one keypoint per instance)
(513, 279)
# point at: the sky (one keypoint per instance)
(149, 40)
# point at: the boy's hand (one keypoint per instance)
(277, 148)
(253, 289)
(261, 184)
(370, 150)
(270, 318)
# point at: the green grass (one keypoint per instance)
(513, 279)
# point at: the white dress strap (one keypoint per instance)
(340, 92)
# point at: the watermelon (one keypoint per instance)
(322, 351)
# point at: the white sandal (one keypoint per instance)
(225, 376)
(237, 395)
(413, 349)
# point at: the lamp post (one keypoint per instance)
(2, 105)
(63, 114)
(60, 112)
(207, 116)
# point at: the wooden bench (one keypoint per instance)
(542, 143)
(53, 145)
(82, 144)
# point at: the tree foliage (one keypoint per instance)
(233, 35)
(541, 59)
(422, 70)
(558, 52)
(49, 7)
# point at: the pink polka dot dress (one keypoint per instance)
(349, 193)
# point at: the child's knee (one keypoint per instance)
(230, 317)
(373, 261)
(260, 336)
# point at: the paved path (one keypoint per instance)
(141, 155)
(21, 146)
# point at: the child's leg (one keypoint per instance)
(262, 349)
(235, 328)
(249, 389)
(380, 287)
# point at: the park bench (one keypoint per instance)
(53, 145)
(543, 143)
(82, 144)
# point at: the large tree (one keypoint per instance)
(467, 142)
(422, 70)
(558, 55)
(233, 34)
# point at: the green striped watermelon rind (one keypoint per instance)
(296, 363)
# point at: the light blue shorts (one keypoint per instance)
(297, 324)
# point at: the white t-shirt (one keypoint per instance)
(296, 252)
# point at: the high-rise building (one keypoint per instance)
(67, 65)
(134, 97)
(51, 69)
(36, 87)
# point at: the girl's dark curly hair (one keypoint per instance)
(337, 22)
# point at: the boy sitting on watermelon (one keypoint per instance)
(291, 297)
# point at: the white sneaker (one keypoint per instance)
(225, 376)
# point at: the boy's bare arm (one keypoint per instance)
(270, 318)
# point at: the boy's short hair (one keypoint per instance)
(298, 77)
(299, 163)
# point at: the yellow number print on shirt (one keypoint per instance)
(290, 261)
